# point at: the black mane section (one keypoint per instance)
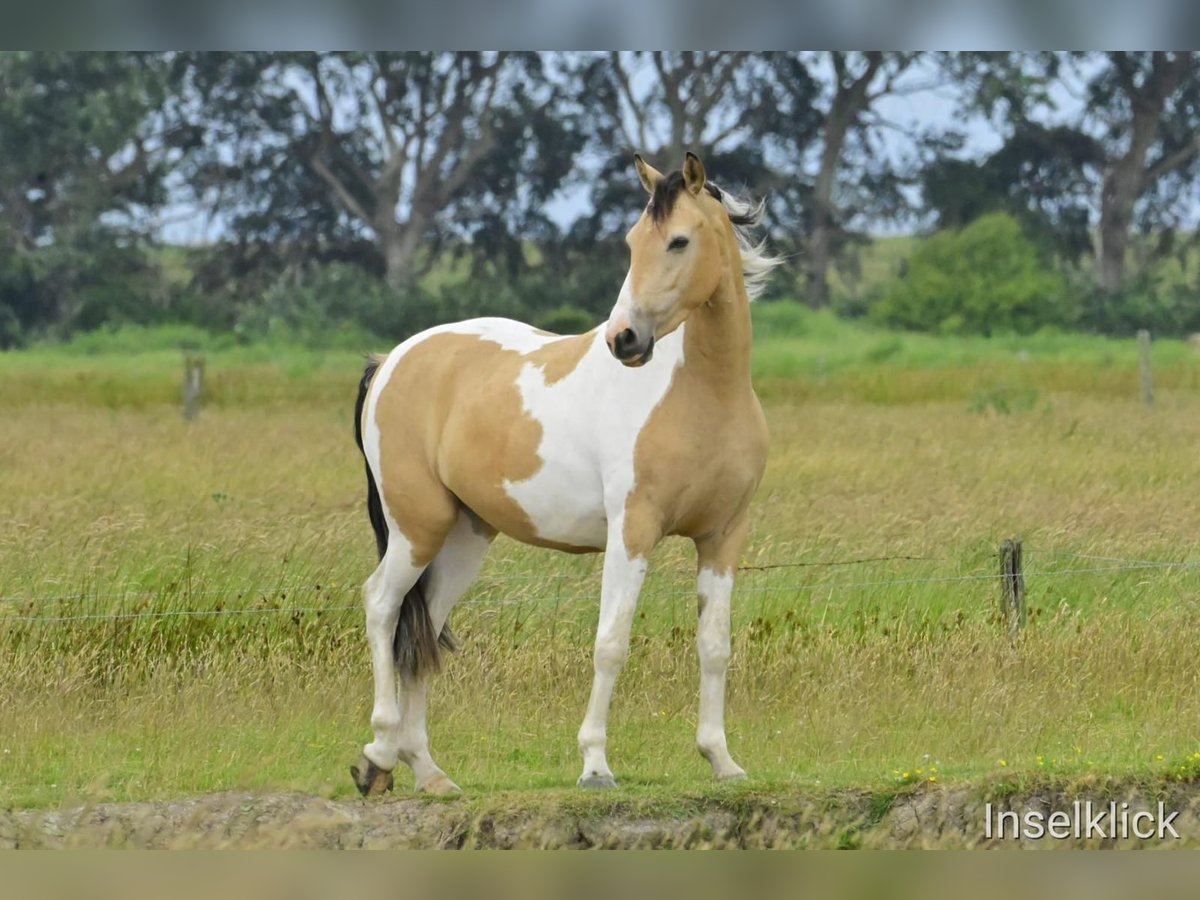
(667, 191)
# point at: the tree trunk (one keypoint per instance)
(1127, 177)
(849, 99)
(400, 241)
(1116, 218)
(816, 276)
(820, 238)
(1124, 182)
(399, 247)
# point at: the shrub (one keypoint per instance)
(339, 305)
(567, 320)
(130, 340)
(1165, 309)
(986, 278)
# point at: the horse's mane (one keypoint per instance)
(757, 262)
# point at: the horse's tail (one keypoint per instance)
(416, 647)
(374, 504)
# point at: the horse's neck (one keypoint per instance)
(717, 339)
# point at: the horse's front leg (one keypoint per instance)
(624, 572)
(717, 560)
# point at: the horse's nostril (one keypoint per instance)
(624, 342)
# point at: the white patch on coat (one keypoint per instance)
(623, 308)
(710, 583)
(590, 422)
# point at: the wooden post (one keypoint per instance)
(193, 385)
(1143, 339)
(1012, 588)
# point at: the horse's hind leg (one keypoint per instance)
(450, 575)
(383, 595)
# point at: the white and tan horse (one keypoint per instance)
(490, 425)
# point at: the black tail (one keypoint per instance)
(416, 649)
(374, 504)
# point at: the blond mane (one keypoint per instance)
(757, 262)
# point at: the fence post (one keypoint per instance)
(1012, 588)
(1143, 339)
(193, 385)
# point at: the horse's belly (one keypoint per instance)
(564, 504)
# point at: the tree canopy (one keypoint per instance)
(441, 184)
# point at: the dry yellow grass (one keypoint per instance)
(872, 675)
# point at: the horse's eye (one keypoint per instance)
(677, 243)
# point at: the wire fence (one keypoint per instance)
(1120, 565)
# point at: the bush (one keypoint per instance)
(983, 279)
(567, 320)
(337, 305)
(130, 340)
(82, 281)
(1166, 309)
(341, 305)
(10, 328)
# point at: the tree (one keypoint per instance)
(87, 142)
(1043, 176)
(1146, 107)
(409, 150)
(683, 105)
(661, 104)
(846, 132)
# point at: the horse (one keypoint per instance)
(644, 427)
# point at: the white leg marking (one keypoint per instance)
(712, 643)
(450, 575)
(622, 583)
(383, 595)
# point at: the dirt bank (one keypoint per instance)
(940, 817)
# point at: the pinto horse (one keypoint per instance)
(490, 425)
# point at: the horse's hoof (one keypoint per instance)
(596, 781)
(440, 786)
(737, 774)
(370, 780)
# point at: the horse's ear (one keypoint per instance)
(693, 173)
(648, 175)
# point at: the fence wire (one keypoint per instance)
(1123, 565)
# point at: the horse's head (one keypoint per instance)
(677, 260)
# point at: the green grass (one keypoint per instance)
(866, 676)
(799, 355)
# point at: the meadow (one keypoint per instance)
(180, 603)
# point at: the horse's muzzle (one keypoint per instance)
(629, 350)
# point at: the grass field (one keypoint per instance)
(180, 607)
